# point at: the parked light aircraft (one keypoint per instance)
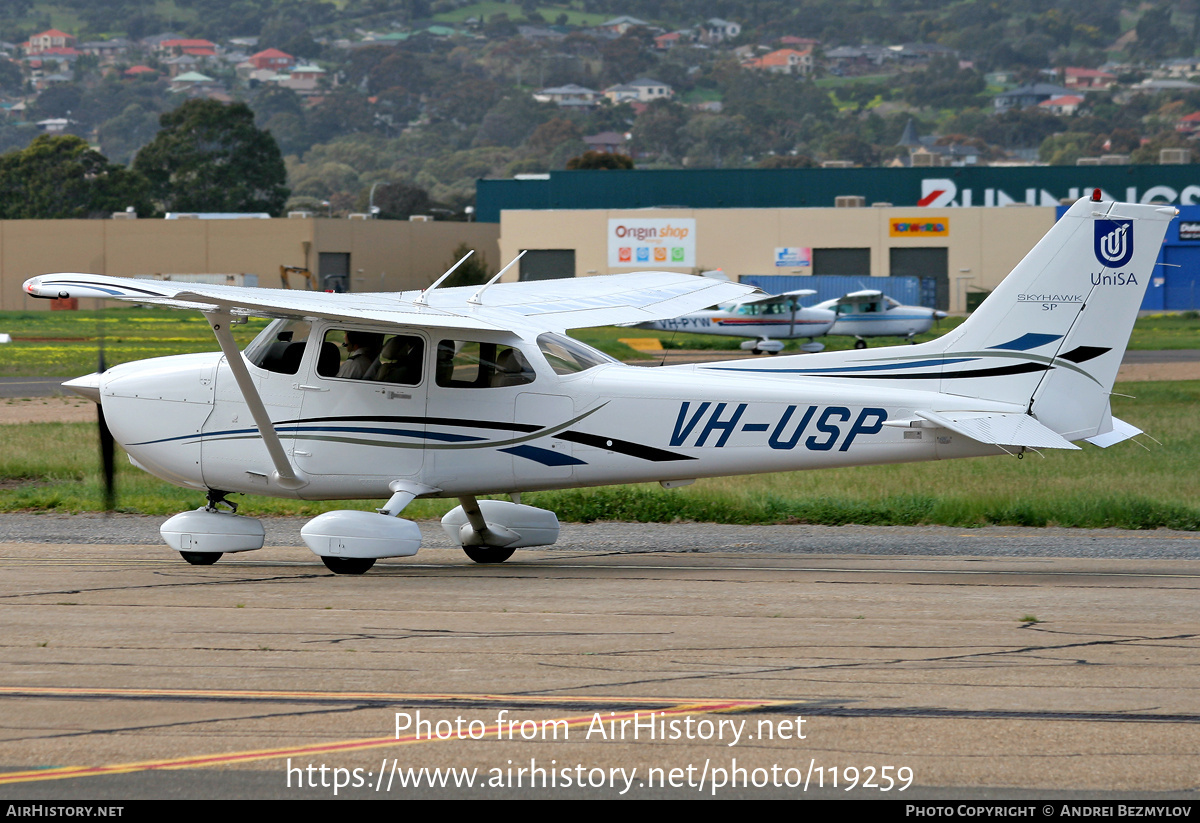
(480, 392)
(767, 319)
(871, 313)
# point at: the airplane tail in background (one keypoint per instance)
(1054, 331)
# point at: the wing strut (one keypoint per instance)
(421, 298)
(476, 298)
(285, 475)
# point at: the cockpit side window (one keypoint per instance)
(280, 346)
(353, 354)
(469, 364)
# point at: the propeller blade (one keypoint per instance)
(107, 461)
(107, 443)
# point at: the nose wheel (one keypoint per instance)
(348, 565)
(488, 554)
(201, 558)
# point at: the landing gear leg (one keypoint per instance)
(481, 553)
(216, 497)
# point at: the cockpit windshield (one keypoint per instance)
(567, 356)
(280, 346)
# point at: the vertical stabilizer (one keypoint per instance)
(1056, 328)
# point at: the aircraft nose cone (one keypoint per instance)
(88, 386)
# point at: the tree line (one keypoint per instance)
(207, 157)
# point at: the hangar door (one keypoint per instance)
(853, 262)
(923, 262)
(333, 271)
(548, 264)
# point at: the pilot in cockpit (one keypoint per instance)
(361, 350)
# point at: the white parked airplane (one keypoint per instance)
(479, 392)
(871, 313)
(767, 319)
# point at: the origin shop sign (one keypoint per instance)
(651, 242)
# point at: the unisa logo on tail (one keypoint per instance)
(1114, 242)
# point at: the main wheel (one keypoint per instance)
(860, 344)
(488, 554)
(201, 558)
(348, 565)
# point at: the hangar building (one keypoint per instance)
(957, 230)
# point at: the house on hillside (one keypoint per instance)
(273, 59)
(612, 142)
(1028, 96)
(1189, 123)
(852, 60)
(1179, 67)
(622, 24)
(789, 41)
(715, 30)
(1065, 106)
(672, 39)
(642, 90)
(304, 80)
(49, 39)
(1073, 77)
(569, 96)
(109, 51)
(191, 47)
(140, 71)
(192, 81)
(783, 61)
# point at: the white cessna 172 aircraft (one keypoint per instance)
(477, 392)
(871, 313)
(767, 319)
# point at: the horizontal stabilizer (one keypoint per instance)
(999, 429)
(1121, 431)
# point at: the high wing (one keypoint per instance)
(768, 299)
(555, 305)
(862, 296)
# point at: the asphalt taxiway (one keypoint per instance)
(990, 663)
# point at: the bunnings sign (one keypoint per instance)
(938, 188)
(939, 192)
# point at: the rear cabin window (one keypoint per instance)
(469, 364)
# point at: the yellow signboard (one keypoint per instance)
(919, 227)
